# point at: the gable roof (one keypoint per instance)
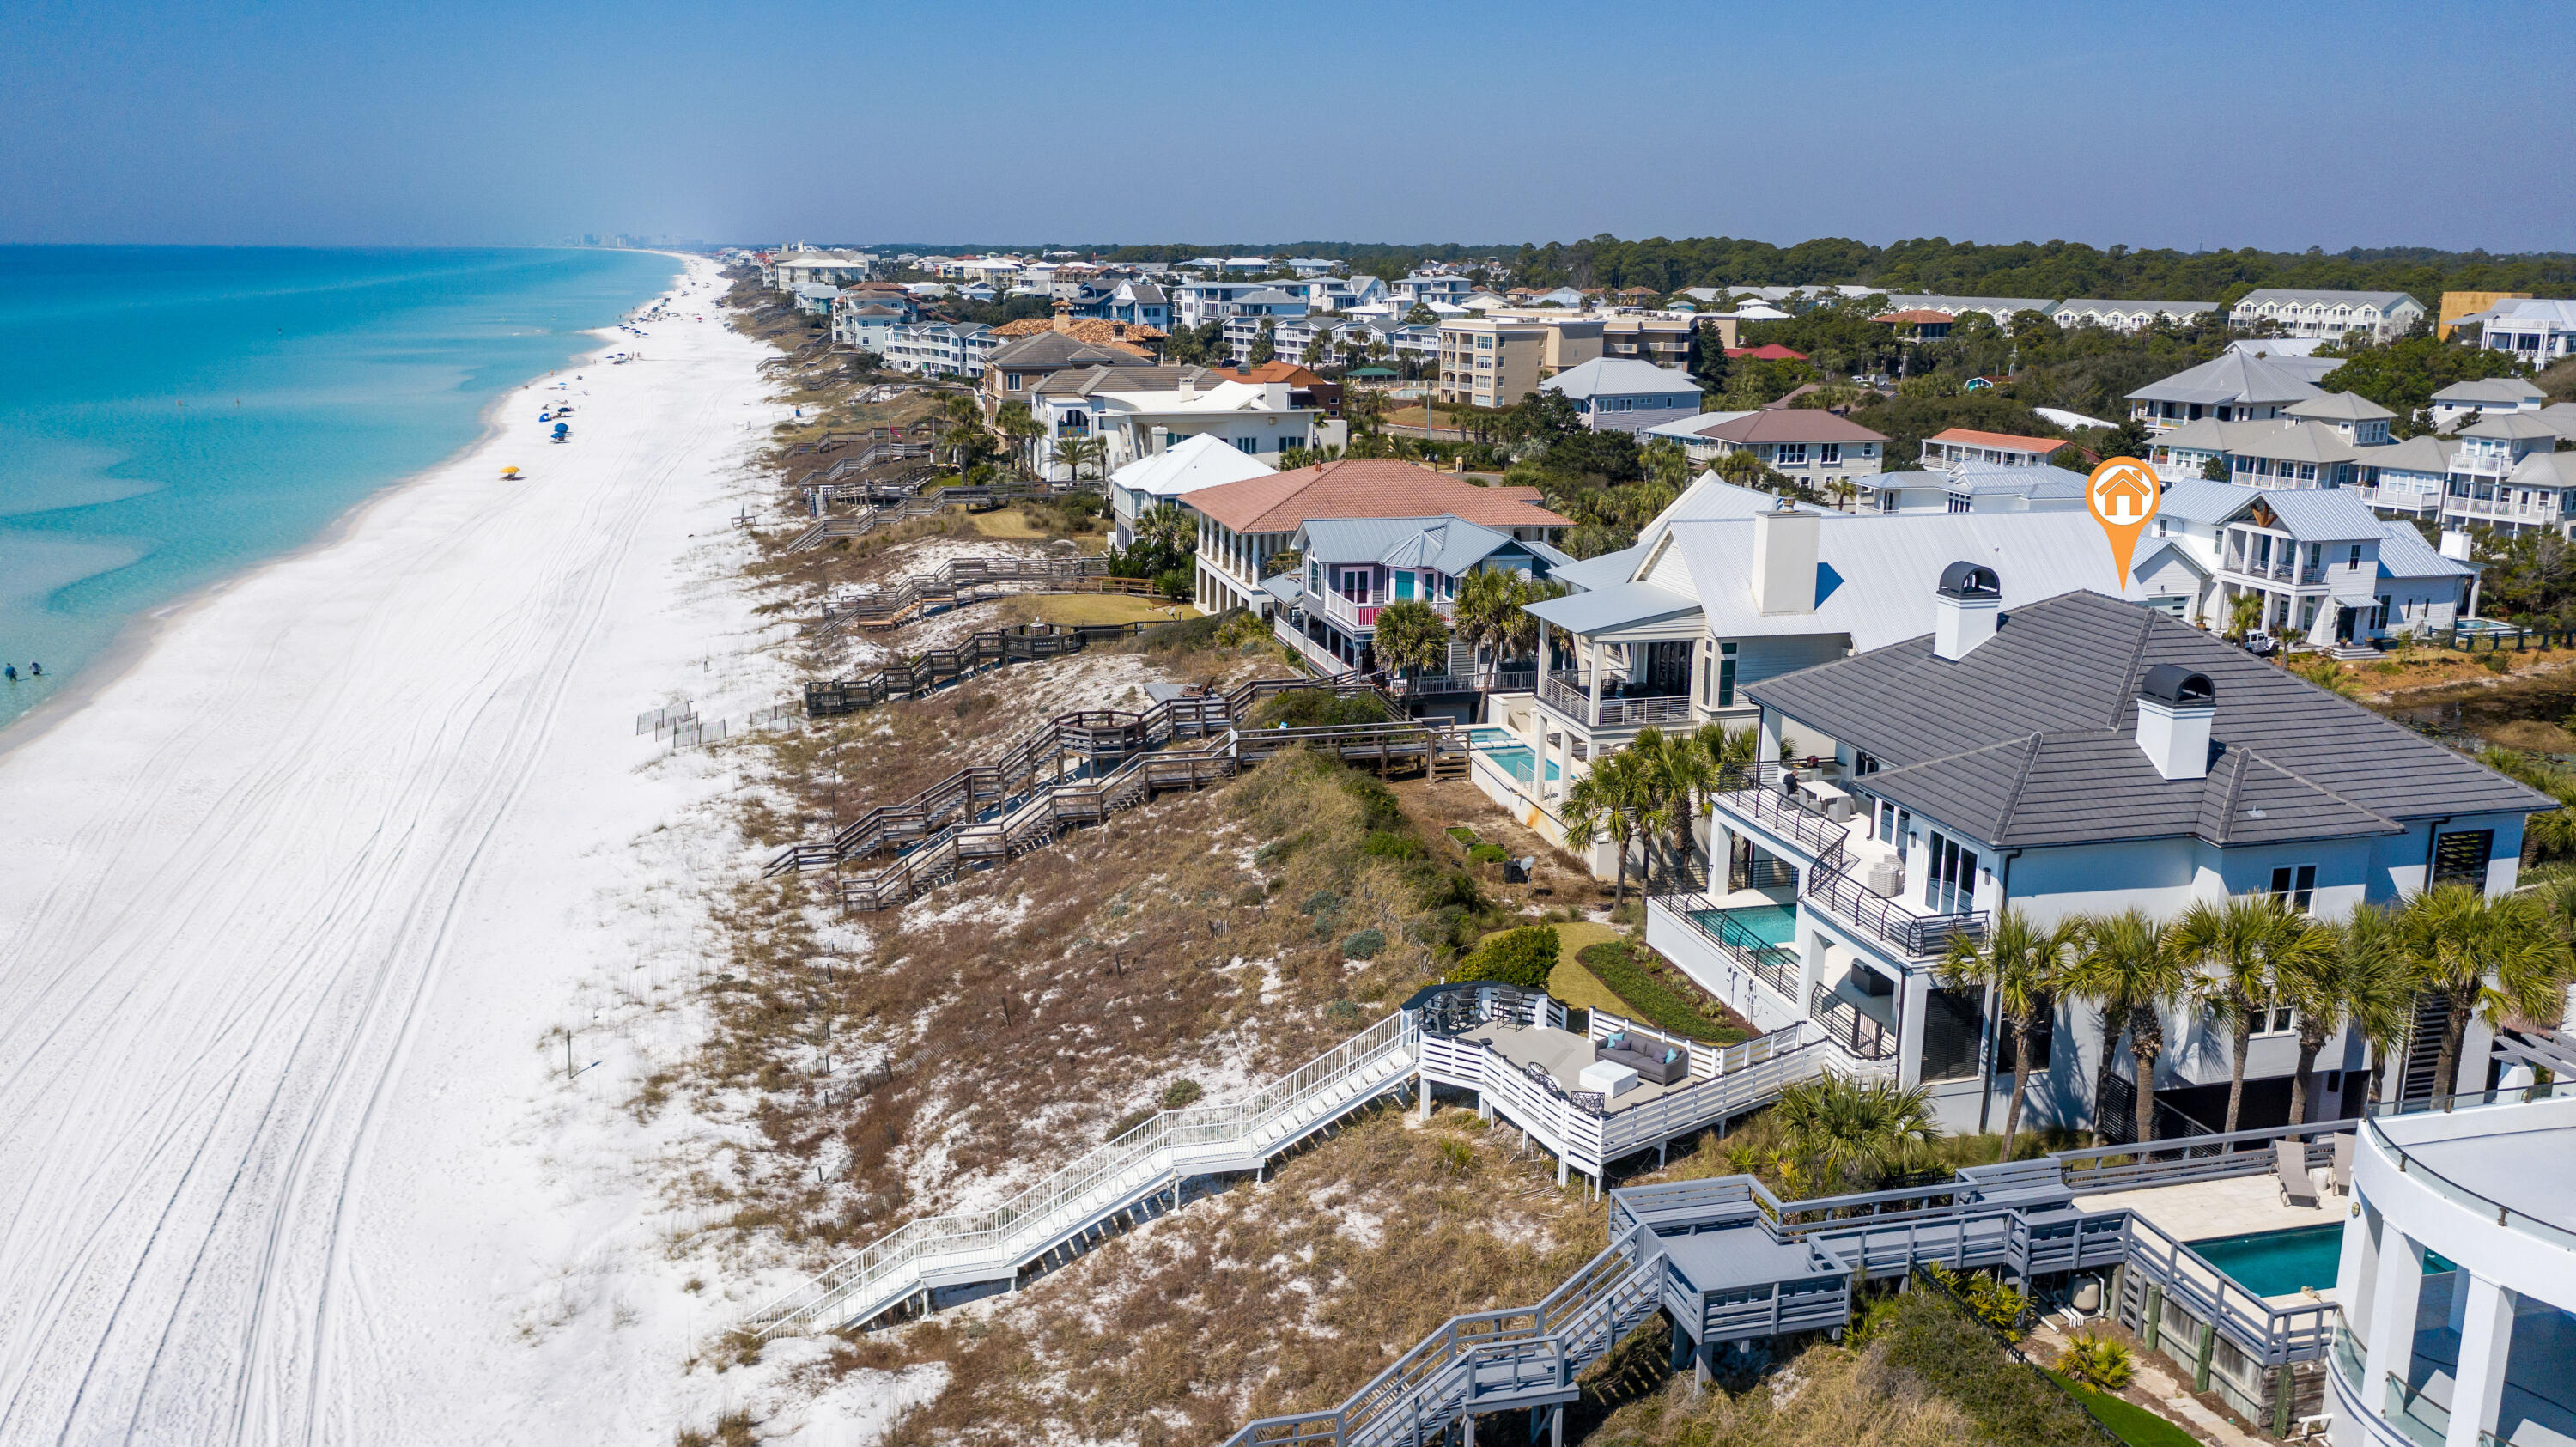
(1365, 488)
(1621, 377)
(1767, 352)
(2031, 738)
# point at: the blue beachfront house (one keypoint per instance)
(2076, 756)
(1355, 567)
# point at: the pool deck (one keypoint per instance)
(2237, 1206)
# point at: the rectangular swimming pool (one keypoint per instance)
(2277, 1263)
(1774, 925)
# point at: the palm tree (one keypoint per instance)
(2125, 967)
(1076, 454)
(2489, 956)
(2244, 612)
(1021, 427)
(1410, 637)
(1483, 614)
(1852, 1134)
(1842, 490)
(1523, 638)
(2244, 948)
(2025, 966)
(2361, 981)
(1606, 803)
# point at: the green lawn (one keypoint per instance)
(2135, 1424)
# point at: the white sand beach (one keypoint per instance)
(293, 911)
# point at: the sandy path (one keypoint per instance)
(290, 907)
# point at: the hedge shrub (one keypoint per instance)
(1654, 1002)
(1364, 945)
(1522, 957)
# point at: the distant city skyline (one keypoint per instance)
(2195, 126)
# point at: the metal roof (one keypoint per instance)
(2339, 407)
(2514, 390)
(1445, 544)
(1875, 573)
(1620, 377)
(2030, 739)
(1621, 605)
(2230, 377)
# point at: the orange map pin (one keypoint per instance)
(2122, 495)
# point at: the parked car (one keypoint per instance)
(2261, 644)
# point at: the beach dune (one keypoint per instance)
(288, 907)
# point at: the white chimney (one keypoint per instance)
(1784, 560)
(1964, 609)
(2175, 709)
(1189, 386)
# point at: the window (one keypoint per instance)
(1726, 675)
(2279, 1020)
(1949, 876)
(2295, 886)
(1791, 454)
(1829, 453)
(2043, 1031)
(1952, 1023)
(1960, 502)
(2354, 558)
(1248, 444)
(2461, 858)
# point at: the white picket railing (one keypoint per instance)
(992, 1244)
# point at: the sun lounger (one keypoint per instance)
(2290, 1163)
(2343, 1147)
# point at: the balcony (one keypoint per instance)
(1570, 694)
(2278, 571)
(1842, 1022)
(1835, 850)
(2502, 510)
(1358, 613)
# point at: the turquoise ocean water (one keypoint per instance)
(172, 415)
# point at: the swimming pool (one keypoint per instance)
(1774, 925)
(2277, 1263)
(1505, 748)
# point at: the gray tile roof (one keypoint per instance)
(2029, 740)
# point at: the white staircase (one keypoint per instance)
(992, 1245)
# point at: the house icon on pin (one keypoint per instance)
(2123, 496)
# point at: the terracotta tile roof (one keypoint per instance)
(1916, 314)
(2004, 441)
(1769, 352)
(1365, 488)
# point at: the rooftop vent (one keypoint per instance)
(2175, 710)
(1964, 609)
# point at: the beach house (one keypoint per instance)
(1731, 586)
(2075, 755)
(2299, 312)
(1193, 463)
(2328, 572)
(1622, 394)
(1244, 525)
(1352, 569)
(2235, 386)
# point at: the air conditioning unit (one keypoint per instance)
(1884, 878)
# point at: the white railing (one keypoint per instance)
(990, 1244)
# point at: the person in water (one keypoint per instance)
(12, 671)
(37, 669)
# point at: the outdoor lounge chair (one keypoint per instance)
(2290, 1163)
(2343, 1146)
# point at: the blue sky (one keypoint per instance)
(2279, 125)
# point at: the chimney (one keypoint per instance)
(1964, 609)
(1063, 315)
(1189, 386)
(1784, 560)
(2175, 709)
